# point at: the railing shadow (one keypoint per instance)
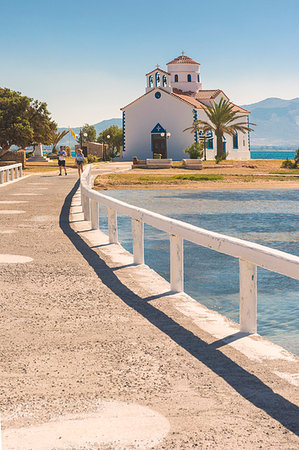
(246, 384)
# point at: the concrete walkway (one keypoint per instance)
(96, 353)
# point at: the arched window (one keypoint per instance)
(157, 79)
(150, 81)
(210, 141)
(198, 79)
(189, 77)
(164, 81)
(176, 78)
(235, 140)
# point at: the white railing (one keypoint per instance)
(250, 255)
(10, 173)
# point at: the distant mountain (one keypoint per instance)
(277, 122)
(69, 140)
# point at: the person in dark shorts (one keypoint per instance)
(79, 161)
(61, 161)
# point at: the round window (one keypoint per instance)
(158, 94)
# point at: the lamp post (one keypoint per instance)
(104, 153)
(204, 136)
(81, 137)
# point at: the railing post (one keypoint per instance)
(86, 207)
(176, 263)
(138, 241)
(94, 214)
(248, 296)
(1, 176)
(112, 226)
(21, 170)
(16, 174)
(11, 174)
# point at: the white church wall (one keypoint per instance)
(240, 153)
(142, 116)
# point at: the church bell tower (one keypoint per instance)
(184, 74)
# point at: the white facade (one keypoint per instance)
(170, 105)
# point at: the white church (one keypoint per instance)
(173, 99)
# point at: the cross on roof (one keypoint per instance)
(158, 67)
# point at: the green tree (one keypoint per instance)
(115, 140)
(195, 150)
(89, 131)
(56, 138)
(221, 119)
(23, 121)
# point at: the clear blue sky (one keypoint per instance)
(87, 59)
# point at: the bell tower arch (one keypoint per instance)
(158, 78)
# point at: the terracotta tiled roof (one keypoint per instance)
(181, 92)
(240, 109)
(183, 59)
(210, 94)
(191, 100)
(159, 70)
(197, 103)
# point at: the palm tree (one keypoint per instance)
(221, 119)
(56, 138)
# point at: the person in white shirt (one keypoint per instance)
(61, 161)
(79, 161)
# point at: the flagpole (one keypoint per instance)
(70, 140)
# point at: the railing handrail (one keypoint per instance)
(11, 166)
(257, 254)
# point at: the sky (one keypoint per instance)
(87, 59)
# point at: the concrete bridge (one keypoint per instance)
(98, 352)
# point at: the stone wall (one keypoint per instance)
(18, 156)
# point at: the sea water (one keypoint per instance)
(278, 154)
(267, 217)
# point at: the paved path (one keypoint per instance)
(90, 358)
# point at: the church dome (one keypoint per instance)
(184, 74)
(183, 59)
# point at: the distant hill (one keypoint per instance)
(277, 122)
(98, 126)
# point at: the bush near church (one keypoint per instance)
(288, 164)
(195, 150)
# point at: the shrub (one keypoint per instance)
(288, 164)
(157, 156)
(29, 154)
(221, 158)
(195, 150)
(297, 157)
(91, 159)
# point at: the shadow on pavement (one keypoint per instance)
(246, 384)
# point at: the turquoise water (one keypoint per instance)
(255, 154)
(269, 217)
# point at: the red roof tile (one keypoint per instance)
(159, 70)
(191, 100)
(183, 59)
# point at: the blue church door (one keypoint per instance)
(158, 136)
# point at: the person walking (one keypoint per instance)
(79, 161)
(61, 161)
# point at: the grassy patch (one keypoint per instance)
(287, 172)
(135, 179)
(197, 177)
